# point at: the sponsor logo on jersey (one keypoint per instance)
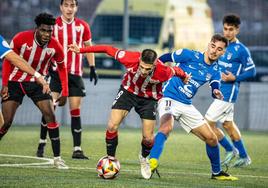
(195, 83)
(192, 67)
(224, 64)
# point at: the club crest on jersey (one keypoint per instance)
(229, 56)
(78, 28)
(208, 76)
(121, 54)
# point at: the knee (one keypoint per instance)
(112, 127)
(211, 140)
(49, 117)
(165, 129)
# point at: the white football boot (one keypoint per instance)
(145, 167)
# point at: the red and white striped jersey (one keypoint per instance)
(147, 87)
(38, 57)
(77, 31)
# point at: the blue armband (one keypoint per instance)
(215, 84)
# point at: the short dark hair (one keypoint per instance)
(76, 2)
(219, 37)
(44, 18)
(232, 19)
(148, 56)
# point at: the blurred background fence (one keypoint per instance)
(251, 111)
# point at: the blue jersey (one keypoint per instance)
(238, 61)
(192, 62)
(4, 47)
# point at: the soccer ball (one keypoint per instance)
(108, 167)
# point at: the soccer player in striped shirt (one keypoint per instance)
(68, 30)
(16, 60)
(236, 66)
(141, 88)
(37, 47)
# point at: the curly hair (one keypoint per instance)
(44, 18)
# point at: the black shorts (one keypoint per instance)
(17, 90)
(146, 108)
(75, 83)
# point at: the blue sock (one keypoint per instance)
(213, 153)
(226, 144)
(240, 146)
(159, 142)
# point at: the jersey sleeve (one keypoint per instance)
(126, 58)
(249, 69)
(87, 32)
(181, 56)
(4, 47)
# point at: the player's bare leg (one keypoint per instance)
(43, 130)
(116, 117)
(9, 109)
(1, 119)
(147, 144)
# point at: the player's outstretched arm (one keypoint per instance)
(109, 50)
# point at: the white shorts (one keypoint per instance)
(220, 111)
(187, 115)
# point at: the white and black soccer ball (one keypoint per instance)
(108, 167)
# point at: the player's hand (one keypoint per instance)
(74, 48)
(93, 75)
(228, 76)
(187, 78)
(61, 101)
(218, 94)
(4, 93)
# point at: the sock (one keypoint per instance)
(76, 127)
(240, 146)
(43, 130)
(213, 153)
(158, 146)
(54, 135)
(226, 144)
(111, 142)
(146, 147)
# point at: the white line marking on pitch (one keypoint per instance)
(47, 161)
(51, 161)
